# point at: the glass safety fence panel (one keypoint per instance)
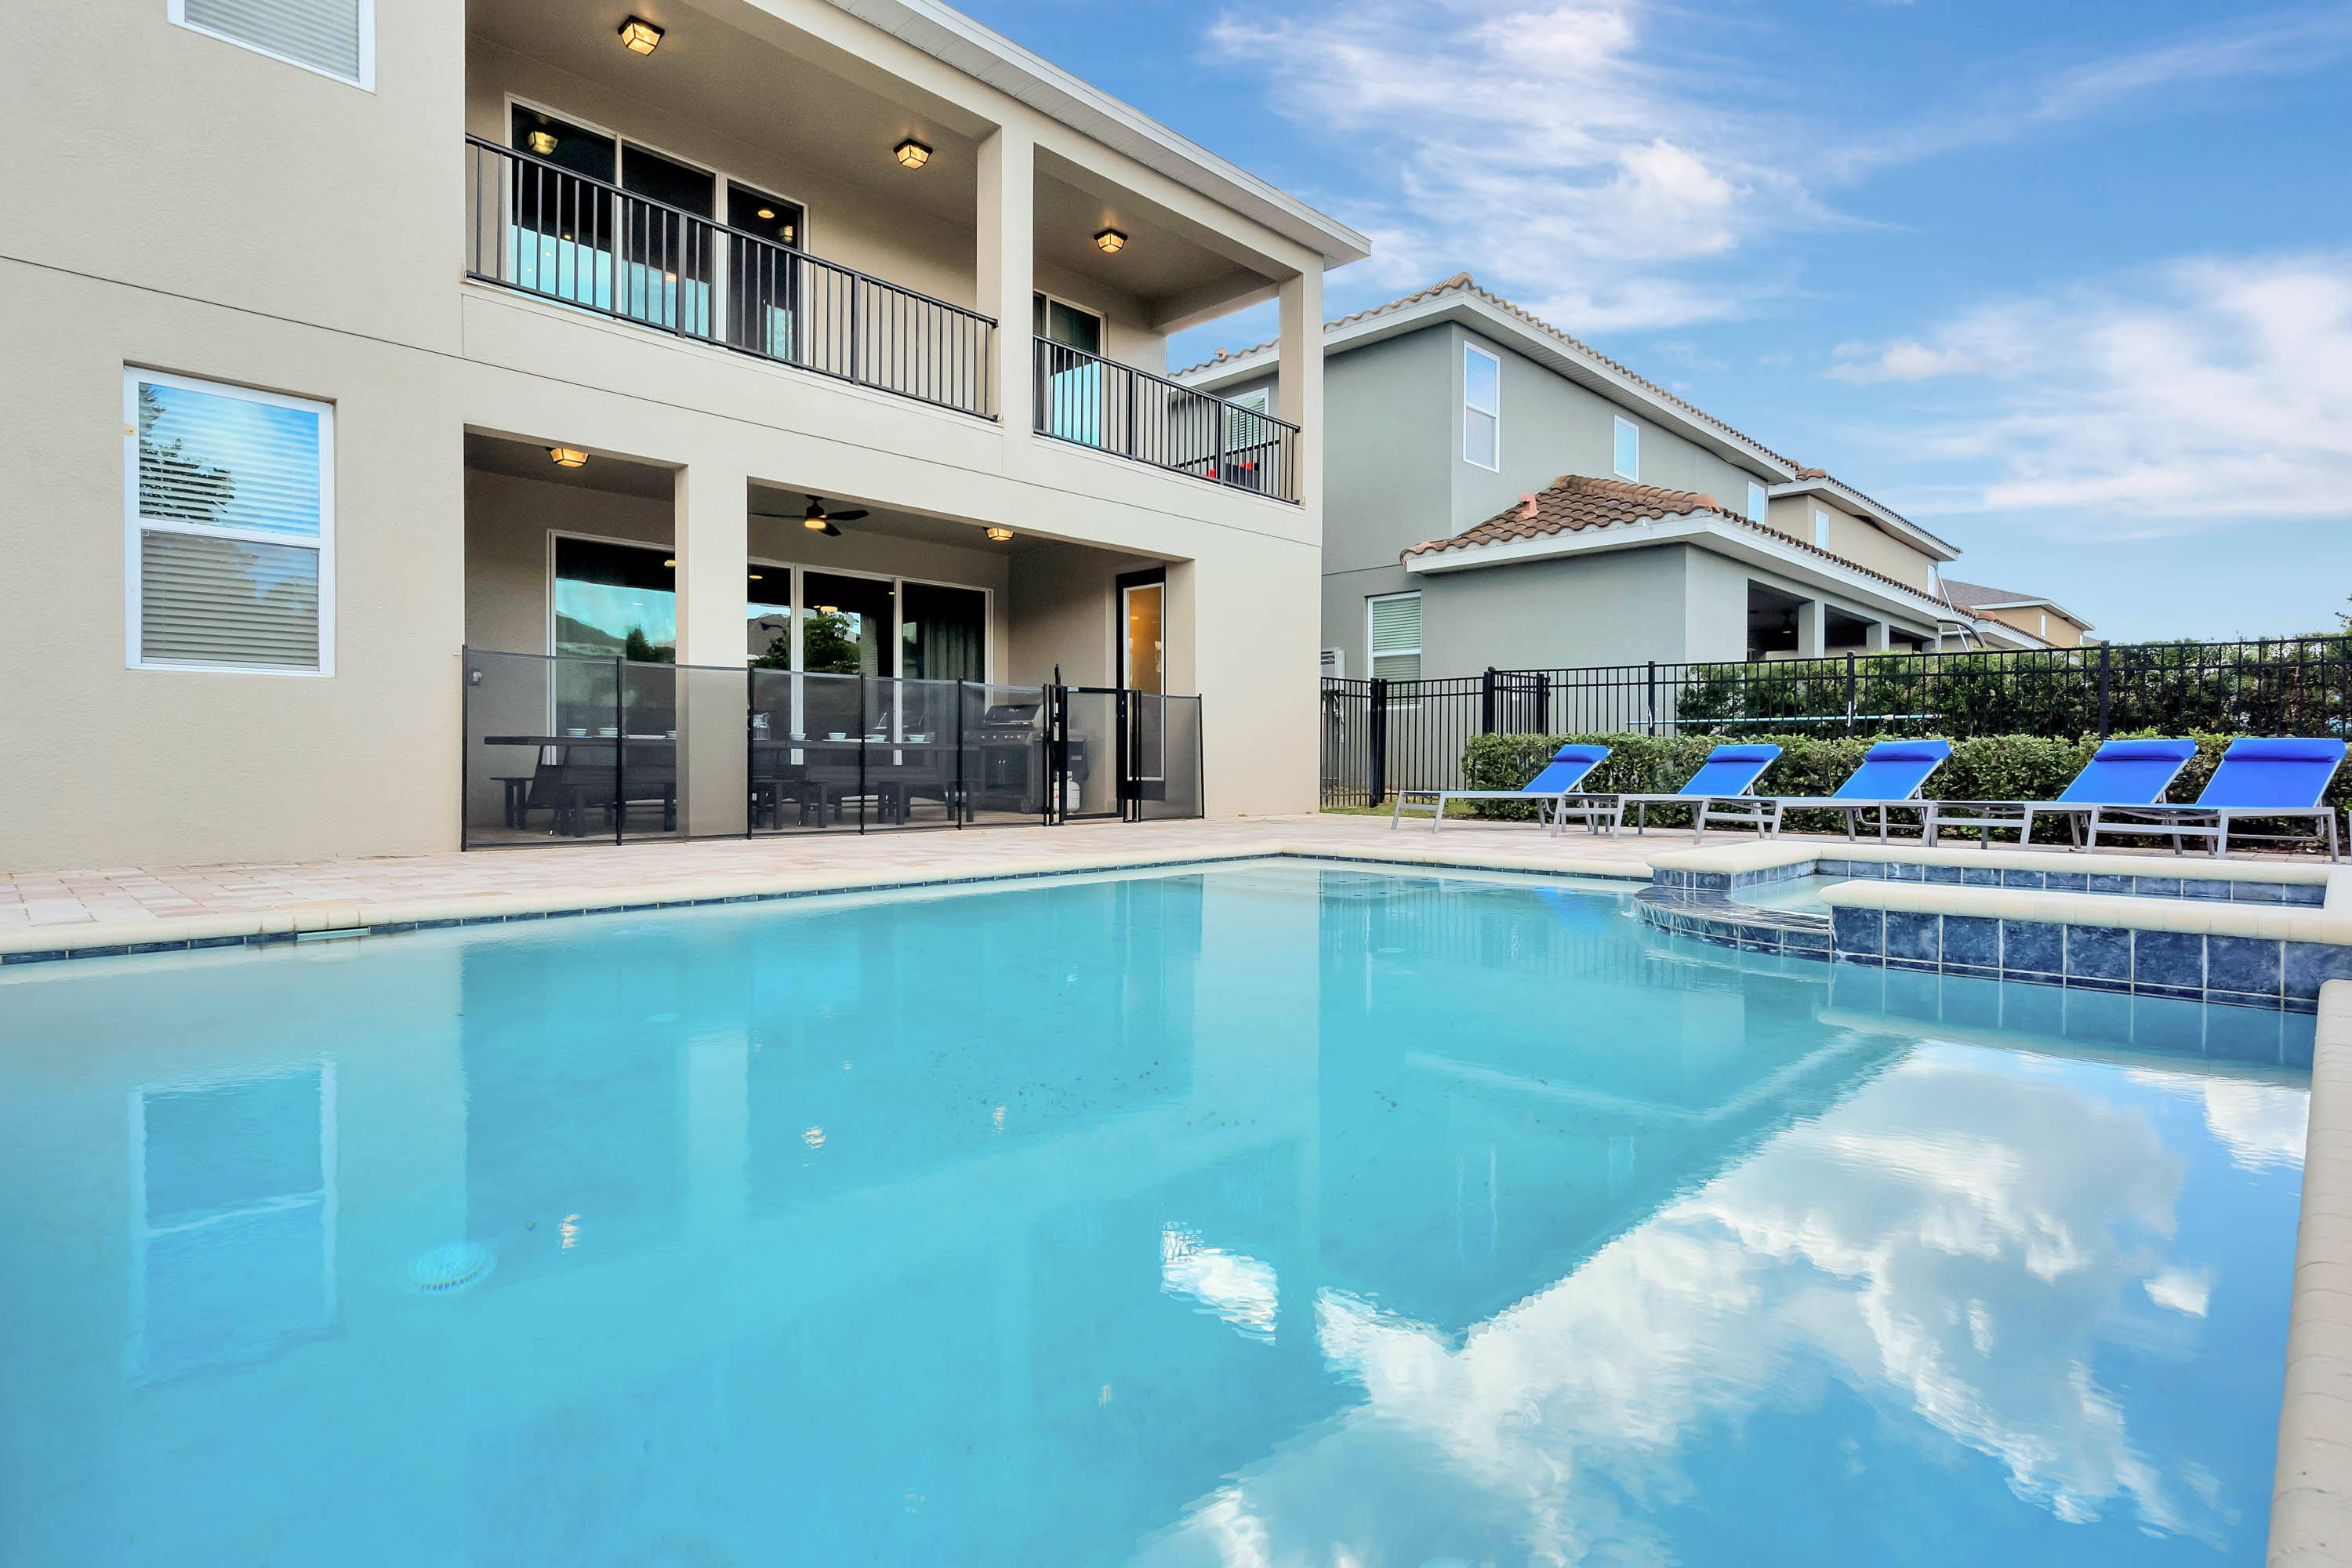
(1163, 756)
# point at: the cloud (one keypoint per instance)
(2206, 392)
(1585, 157)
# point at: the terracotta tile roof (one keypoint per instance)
(1575, 503)
(1463, 283)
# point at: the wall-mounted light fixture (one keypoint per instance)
(999, 535)
(1111, 242)
(568, 456)
(639, 36)
(912, 153)
(671, 561)
(542, 142)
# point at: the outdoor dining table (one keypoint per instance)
(517, 787)
(838, 770)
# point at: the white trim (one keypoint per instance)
(1820, 528)
(1749, 542)
(176, 13)
(1617, 432)
(1101, 320)
(135, 525)
(1373, 655)
(1759, 503)
(1468, 407)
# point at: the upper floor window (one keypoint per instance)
(1629, 450)
(1821, 529)
(1482, 407)
(1395, 637)
(334, 37)
(1754, 501)
(230, 526)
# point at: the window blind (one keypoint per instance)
(226, 462)
(1396, 637)
(207, 600)
(321, 34)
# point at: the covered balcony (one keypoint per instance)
(751, 187)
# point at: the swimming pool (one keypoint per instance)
(1267, 1213)
(1791, 893)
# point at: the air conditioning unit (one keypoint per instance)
(1335, 663)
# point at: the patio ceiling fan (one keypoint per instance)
(814, 517)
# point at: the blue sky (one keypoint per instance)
(2070, 284)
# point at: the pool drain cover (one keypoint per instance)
(459, 1263)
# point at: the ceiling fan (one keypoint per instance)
(814, 517)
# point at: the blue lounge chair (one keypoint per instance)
(2257, 778)
(2121, 773)
(1891, 775)
(1550, 787)
(1729, 773)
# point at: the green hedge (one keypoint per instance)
(1992, 767)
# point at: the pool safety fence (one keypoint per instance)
(562, 749)
(1381, 736)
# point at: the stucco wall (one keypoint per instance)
(1619, 608)
(1857, 539)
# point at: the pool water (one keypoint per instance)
(1272, 1214)
(1791, 893)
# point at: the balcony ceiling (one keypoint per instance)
(1168, 264)
(800, 107)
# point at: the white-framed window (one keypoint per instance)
(1482, 407)
(1394, 636)
(1629, 450)
(1756, 501)
(334, 37)
(229, 527)
(1821, 529)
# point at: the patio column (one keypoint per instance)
(1813, 629)
(1300, 356)
(711, 505)
(1006, 269)
(1877, 637)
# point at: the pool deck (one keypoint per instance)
(124, 909)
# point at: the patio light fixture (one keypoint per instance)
(568, 456)
(639, 36)
(1111, 242)
(542, 142)
(912, 153)
(999, 535)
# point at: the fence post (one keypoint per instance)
(1849, 692)
(2105, 693)
(1653, 719)
(1376, 732)
(1486, 701)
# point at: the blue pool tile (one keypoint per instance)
(2168, 958)
(54, 955)
(1973, 971)
(239, 942)
(2034, 947)
(2022, 880)
(1906, 873)
(2306, 893)
(2089, 983)
(2300, 1003)
(2178, 993)
(1856, 930)
(2098, 953)
(1919, 965)
(1912, 936)
(1829, 867)
(1867, 959)
(1972, 940)
(2258, 892)
(2271, 1003)
(2066, 883)
(1981, 877)
(2032, 1009)
(1949, 875)
(1805, 937)
(2157, 887)
(2309, 965)
(2204, 888)
(2105, 884)
(2242, 963)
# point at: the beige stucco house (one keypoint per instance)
(2001, 618)
(342, 339)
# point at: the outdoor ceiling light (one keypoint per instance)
(767, 212)
(639, 36)
(1111, 242)
(567, 456)
(671, 561)
(999, 535)
(912, 153)
(542, 142)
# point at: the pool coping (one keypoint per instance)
(257, 928)
(2311, 1495)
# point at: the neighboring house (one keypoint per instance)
(342, 337)
(1499, 494)
(2004, 618)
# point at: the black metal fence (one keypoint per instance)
(1090, 401)
(538, 227)
(608, 751)
(1379, 736)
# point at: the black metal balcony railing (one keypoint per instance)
(543, 229)
(1090, 401)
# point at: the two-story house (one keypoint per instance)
(1499, 494)
(621, 350)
